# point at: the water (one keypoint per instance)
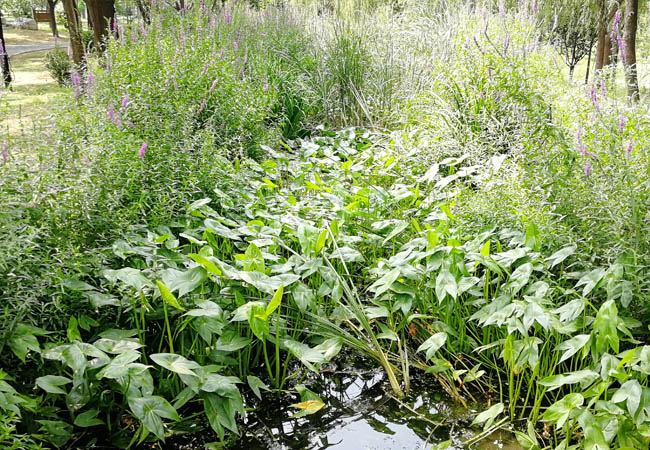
(362, 415)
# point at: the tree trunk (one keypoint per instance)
(51, 5)
(144, 11)
(591, 47)
(72, 15)
(629, 59)
(102, 15)
(90, 22)
(604, 48)
(4, 58)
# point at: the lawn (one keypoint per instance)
(42, 35)
(29, 105)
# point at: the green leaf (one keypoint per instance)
(77, 285)
(307, 355)
(446, 284)
(184, 282)
(149, 410)
(51, 383)
(559, 256)
(584, 377)
(56, 432)
(175, 363)
(119, 366)
(572, 346)
(167, 296)
(403, 225)
(129, 276)
(347, 254)
(605, 326)
(205, 262)
(630, 392)
(384, 283)
(88, 419)
(231, 341)
(528, 441)
(220, 230)
(519, 277)
(275, 302)
(559, 411)
(487, 417)
(590, 280)
(73, 330)
(433, 344)
(256, 384)
(303, 296)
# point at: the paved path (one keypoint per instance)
(17, 49)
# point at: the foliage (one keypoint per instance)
(196, 241)
(59, 65)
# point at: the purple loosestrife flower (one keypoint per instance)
(622, 121)
(245, 59)
(235, 45)
(227, 17)
(125, 101)
(621, 48)
(266, 53)
(593, 96)
(5, 157)
(114, 26)
(76, 82)
(588, 169)
(143, 30)
(603, 88)
(90, 80)
(129, 124)
(203, 103)
(629, 148)
(113, 117)
(143, 149)
(214, 84)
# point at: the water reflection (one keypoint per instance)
(361, 416)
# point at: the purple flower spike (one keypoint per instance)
(214, 84)
(266, 87)
(588, 169)
(236, 45)
(622, 121)
(5, 157)
(143, 148)
(629, 148)
(125, 101)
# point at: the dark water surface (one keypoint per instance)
(361, 415)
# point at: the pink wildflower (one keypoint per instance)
(143, 148)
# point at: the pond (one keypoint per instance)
(360, 414)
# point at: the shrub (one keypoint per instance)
(59, 65)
